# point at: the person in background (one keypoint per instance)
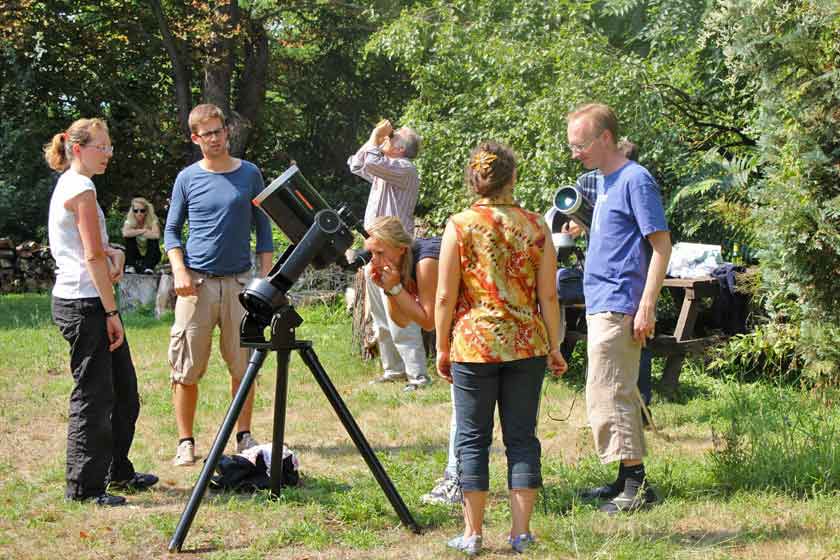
(386, 162)
(629, 248)
(104, 404)
(498, 325)
(210, 269)
(141, 232)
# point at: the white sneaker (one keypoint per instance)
(185, 456)
(447, 491)
(130, 270)
(246, 442)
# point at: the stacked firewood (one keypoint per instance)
(29, 267)
(7, 263)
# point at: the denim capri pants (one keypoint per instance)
(516, 386)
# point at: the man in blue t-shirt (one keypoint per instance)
(214, 195)
(628, 254)
(587, 184)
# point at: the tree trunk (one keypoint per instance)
(228, 26)
(178, 52)
(252, 86)
(218, 66)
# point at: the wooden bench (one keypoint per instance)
(673, 347)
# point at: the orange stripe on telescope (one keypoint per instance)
(303, 198)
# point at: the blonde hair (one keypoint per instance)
(601, 116)
(58, 152)
(203, 113)
(151, 218)
(389, 229)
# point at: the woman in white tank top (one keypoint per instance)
(104, 403)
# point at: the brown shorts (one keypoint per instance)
(612, 405)
(217, 303)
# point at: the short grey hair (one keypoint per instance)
(408, 140)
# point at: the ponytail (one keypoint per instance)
(55, 152)
(59, 151)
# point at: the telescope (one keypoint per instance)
(570, 201)
(320, 236)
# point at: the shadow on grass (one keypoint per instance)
(342, 450)
(730, 538)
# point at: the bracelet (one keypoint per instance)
(394, 290)
(112, 313)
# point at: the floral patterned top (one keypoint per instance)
(496, 317)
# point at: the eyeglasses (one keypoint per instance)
(139, 210)
(578, 148)
(102, 149)
(211, 133)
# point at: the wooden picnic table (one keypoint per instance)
(673, 347)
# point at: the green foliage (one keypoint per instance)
(769, 351)
(770, 438)
(474, 80)
(790, 54)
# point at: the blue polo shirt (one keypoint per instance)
(220, 215)
(628, 209)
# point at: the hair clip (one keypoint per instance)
(482, 160)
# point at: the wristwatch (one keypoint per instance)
(394, 290)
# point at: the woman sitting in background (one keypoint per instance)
(141, 232)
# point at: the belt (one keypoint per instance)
(214, 276)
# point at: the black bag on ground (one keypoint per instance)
(241, 475)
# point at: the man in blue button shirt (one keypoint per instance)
(214, 195)
(628, 254)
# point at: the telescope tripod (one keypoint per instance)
(283, 341)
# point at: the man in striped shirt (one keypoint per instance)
(385, 161)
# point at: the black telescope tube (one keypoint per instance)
(571, 202)
(320, 233)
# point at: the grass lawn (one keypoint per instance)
(770, 490)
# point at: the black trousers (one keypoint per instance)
(138, 261)
(104, 403)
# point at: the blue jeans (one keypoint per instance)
(516, 387)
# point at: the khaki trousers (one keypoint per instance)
(217, 303)
(612, 406)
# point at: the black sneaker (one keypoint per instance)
(107, 500)
(606, 492)
(635, 496)
(137, 483)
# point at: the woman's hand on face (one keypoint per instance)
(556, 363)
(375, 274)
(444, 366)
(389, 274)
(116, 334)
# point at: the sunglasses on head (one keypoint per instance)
(139, 210)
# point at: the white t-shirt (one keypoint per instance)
(72, 280)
